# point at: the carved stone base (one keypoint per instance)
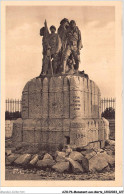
(60, 110)
(76, 132)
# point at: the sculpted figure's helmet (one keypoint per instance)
(52, 27)
(64, 21)
(72, 23)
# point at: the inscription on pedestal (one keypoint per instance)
(75, 104)
(78, 136)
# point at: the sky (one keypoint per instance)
(24, 44)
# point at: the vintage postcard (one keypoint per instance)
(61, 93)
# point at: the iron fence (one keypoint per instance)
(107, 103)
(13, 107)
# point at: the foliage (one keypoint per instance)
(109, 113)
(12, 115)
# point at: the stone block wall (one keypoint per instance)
(64, 97)
(61, 110)
(112, 129)
(8, 128)
(17, 134)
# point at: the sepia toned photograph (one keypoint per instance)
(61, 93)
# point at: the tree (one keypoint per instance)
(109, 113)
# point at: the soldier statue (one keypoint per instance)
(55, 47)
(51, 47)
(61, 51)
(62, 30)
(46, 61)
(73, 46)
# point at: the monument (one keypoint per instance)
(61, 106)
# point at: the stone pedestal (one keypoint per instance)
(62, 110)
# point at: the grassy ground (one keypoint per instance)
(14, 173)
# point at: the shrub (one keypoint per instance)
(109, 113)
(12, 115)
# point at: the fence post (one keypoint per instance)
(107, 103)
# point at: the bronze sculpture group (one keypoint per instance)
(61, 50)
